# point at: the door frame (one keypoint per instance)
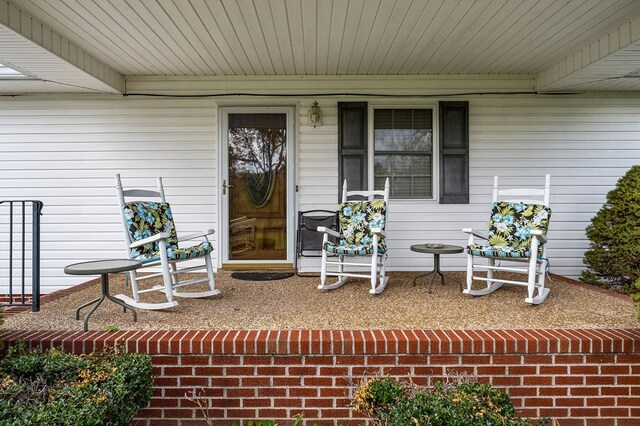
(223, 174)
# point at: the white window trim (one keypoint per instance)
(435, 166)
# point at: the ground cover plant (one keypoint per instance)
(1, 330)
(204, 405)
(297, 421)
(635, 296)
(58, 388)
(461, 402)
(613, 258)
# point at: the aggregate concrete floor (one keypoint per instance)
(295, 303)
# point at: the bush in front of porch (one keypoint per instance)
(55, 387)
(460, 401)
(613, 258)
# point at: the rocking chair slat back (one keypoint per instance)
(517, 194)
(143, 193)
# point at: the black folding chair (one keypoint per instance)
(308, 239)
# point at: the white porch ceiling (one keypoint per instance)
(340, 37)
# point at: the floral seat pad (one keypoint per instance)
(145, 219)
(356, 220)
(192, 252)
(510, 227)
(498, 251)
(353, 249)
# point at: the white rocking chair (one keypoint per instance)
(151, 238)
(517, 232)
(361, 233)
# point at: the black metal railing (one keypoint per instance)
(17, 294)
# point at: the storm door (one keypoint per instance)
(256, 185)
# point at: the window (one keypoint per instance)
(403, 151)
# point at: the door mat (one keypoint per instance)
(261, 276)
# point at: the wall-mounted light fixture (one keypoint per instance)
(315, 115)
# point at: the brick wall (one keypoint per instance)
(576, 376)
(15, 298)
(16, 309)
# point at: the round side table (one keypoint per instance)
(102, 268)
(436, 250)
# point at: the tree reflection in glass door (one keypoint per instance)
(257, 186)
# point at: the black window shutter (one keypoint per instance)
(454, 152)
(352, 144)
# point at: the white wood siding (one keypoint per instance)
(66, 150)
(586, 143)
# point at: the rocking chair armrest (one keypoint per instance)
(538, 234)
(326, 230)
(379, 231)
(151, 239)
(196, 235)
(475, 233)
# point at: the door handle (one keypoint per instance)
(225, 186)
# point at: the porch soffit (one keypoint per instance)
(242, 38)
(50, 62)
(610, 63)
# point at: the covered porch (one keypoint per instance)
(149, 88)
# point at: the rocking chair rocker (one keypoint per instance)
(517, 232)
(151, 238)
(361, 234)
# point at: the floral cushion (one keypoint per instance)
(510, 229)
(498, 251)
(353, 250)
(145, 219)
(356, 219)
(179, 253)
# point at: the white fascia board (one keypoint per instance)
(338, 85)
(35, 49)
(611, 58)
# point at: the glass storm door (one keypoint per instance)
(256, 188)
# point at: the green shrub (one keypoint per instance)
(395, 403)
(58, 388)
(376, 397)
(613, 258)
